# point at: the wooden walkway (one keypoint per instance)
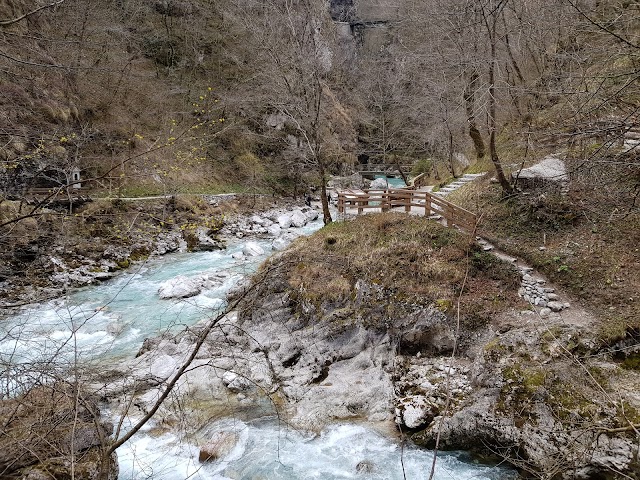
(416, 202)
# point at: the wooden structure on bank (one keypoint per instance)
(407, 200)
(63, 196)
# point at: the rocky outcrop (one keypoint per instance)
(525, 400)
(272, 223)
(379, 184)
(534, 390)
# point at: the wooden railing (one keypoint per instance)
(386, 200)
(381, 167)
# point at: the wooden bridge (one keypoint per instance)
(416, 202)
(371, 170)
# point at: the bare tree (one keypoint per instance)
(294, 42)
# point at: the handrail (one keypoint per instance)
(381, 167)
(387, 199)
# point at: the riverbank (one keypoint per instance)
(54, 252)
(357, 324)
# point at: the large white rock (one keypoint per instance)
(279, 244)
(312, 214)
(284, 221)
(415, 412)
(298, 219)
(379, 184)
(550, 169)
(252, 249)
(180, 287)
(235, 382)
(274, 230)
(163, 367)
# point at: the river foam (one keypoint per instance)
(266, 450)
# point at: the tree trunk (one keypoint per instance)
(452, 167)
(402, 174)
(326, 214)
(506, 186)
(469, 101)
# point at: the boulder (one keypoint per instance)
(274, 230)
(279, 244)
(237, 255)
(415, 412)
(252, 249)
(298, 219)
(311, 214)
(219, 446)
(202, 242)
(235, 382)
(379, 184)
(180, 287)
(550, 170)
(555, 306)
(284, 221)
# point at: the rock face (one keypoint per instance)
(533, 410)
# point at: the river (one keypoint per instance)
(109, 321)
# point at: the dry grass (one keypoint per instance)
(411, 260)
(593, 257)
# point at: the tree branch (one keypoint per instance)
(602, 27)
(5, 23)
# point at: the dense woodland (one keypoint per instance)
(144, 97)
(148, 97)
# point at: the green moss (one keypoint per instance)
(444, 305)
(494, 350)
(124, 263)
(632, 362)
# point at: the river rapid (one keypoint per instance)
(108, 323)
